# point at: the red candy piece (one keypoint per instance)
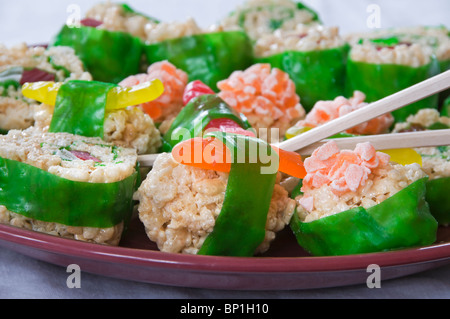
(36, 75)
(195, 89)
(227, 126)
(85, 156)
(88, 22)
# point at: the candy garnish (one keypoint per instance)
(210, 153)
(344, 170)
(227, 126)
(36, 75)
(118, 97)
(195, 89)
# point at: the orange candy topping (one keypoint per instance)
(212, 154)
(264, 91)
(344, 171)
(325, 111)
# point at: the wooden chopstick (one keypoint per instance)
(391, 103)
(390, 141)
(380, 142)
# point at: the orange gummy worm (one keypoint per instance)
(212, 154)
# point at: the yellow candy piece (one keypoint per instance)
(294, 131)
(44, 92)
(118, 97)
(404, 156)
(121, 98)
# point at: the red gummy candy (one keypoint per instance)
(88, 22)
(36, 75)
(195, 89)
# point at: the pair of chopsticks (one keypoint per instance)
(307, 142)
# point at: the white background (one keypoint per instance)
(38, 21)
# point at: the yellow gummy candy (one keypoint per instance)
(404, 156)
(294, 131)
(44, 92)
(118, 97)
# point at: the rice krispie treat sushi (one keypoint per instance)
(96, 109)
(208, 55)
(266, 96)
(383, 66)
(434, 38)
(48, 174)
(20, 64)
(357, 201)
(108, 41)
(314, 57)
(435, 161)
(262, 17)
(325, 111)
(213, 207)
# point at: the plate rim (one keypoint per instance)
(438, 252)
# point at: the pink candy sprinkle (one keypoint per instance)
(325, 111)
(343, 171)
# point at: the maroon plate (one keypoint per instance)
(285, 267)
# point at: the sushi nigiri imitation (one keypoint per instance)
(217, 205)
(357, 201)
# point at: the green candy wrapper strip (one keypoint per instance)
(210, 57)
(80, 108)
(39, 195)
(194, 117)
(240, 227)
(401, 221)
(437, 196)
(127, 9)
(318, 75)
(445, 111)
(108, 56)
(379, 81)
(302, 6)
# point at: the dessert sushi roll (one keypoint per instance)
(98, 109)
(165, 108)
(383, 66)
(217, 206)
(267, 97)
(20, 64)
(207, 55)
(357, 201)
(314, 57)
(435, 161)
(47, 175)
(435, 37)
(259, 18)
(108, 41)
(325, 111)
